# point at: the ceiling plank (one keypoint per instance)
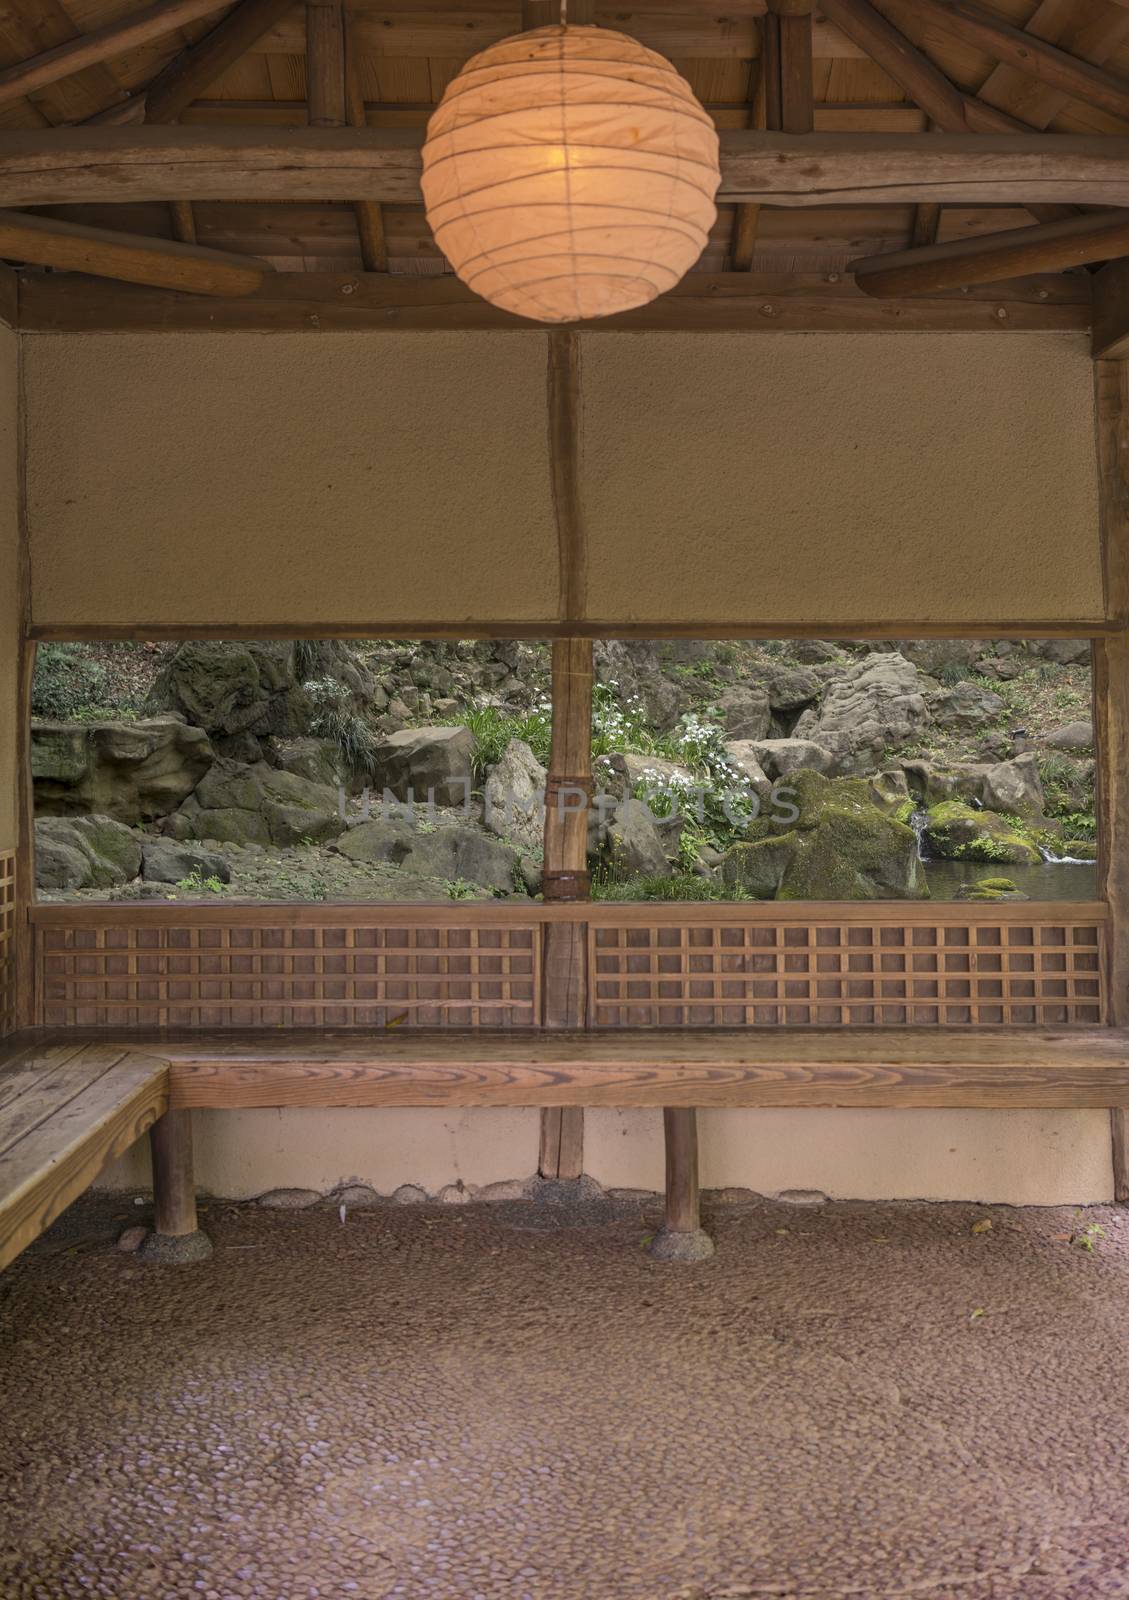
(63, 166)
(994, 257)
(193, 70)
(720, 303)
(89, 49)
(71, 247)
(1055, 68)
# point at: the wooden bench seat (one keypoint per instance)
(1074, 1067)
(65, 1111)
(71, 1102)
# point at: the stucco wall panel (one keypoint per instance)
(256, 479)
(833, 477)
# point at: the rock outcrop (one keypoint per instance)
(240, 804)
(84, 853)
(835, 843)
(131, 771)
(425, 765)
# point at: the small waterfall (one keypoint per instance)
(1062, 861)
(917, 822)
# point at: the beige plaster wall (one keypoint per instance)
(1014, 1157)
(834, 477)
(752, 478)
(9, 582)
(258, 479)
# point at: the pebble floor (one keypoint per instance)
(450, 1403)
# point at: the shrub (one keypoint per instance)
(68, 683)
(493, 729)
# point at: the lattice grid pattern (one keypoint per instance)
(7, 941)
(828, 974)
(259, 975)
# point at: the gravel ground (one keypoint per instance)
(444, 1404)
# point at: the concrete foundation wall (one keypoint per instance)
(1014, 1157)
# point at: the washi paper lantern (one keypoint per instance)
(570, 173)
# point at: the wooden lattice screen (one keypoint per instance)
(952, 966)
(292, 967)
(7, 941)
(480, 964)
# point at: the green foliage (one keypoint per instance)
(678, 886)
(334, 719)
(69, 686)
(196, 883)
(460, 889)
(493, 729)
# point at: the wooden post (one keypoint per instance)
(565, 877)
(682, 1238)
(1111, 713)
(176, 1236)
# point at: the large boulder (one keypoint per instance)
(84, 853)
(745, 711)
(131, 771)
(258, 804)
(1014, 787)
(957, 832)
(877, 704)
(780, 757)
(966, 705)
(1070, 736)
(164, 861)
(514, 796)
(1064, 652)
(790, 689)
(832, 841)
(241, 692)
(942, 658)
(452, 853)
(635, 846)
(634, 670)
(427, 765)
(317, 760)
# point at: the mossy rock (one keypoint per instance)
(1000, 885)
(854, 854)
(1080, 849)
(957, 832)
(757, 868)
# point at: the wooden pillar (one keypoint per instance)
(176, 1236)
(568, 790)
(1111, 713)
(681, 1238)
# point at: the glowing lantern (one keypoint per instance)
(570, 172)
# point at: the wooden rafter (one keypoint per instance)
(790, 51)
(75, 165)
(70, 247)
(325, 63)
(1055, 68)
(90, 49)
(370, 218)
(193, 70)
(1048, 247)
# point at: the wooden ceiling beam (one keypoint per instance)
(89, 49)
(702, 302)
(370, 217)
(1110, 286)
(993, 258)
(64, 166)
(71, 247)
(789, 50)
(1057, 69)
(193, 70)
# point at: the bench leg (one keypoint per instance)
(681, 1238)
(176, 1236)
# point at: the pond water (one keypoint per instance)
(1049, 880)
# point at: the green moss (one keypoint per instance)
(1001, 885)
(958, 832)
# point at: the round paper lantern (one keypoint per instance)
(570, 172)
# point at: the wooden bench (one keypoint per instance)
(69, 1103)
